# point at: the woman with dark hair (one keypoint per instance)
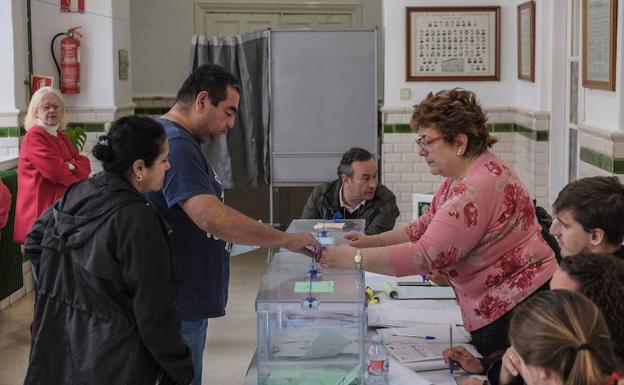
(480, 231)
(560, 337)
(105, 311)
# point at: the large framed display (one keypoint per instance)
(526, 41)
(452, 43)
(599, 43)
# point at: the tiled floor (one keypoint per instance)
(231, 339)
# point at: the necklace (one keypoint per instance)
(461, 176)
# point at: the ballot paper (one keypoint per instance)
(425, 292)
(423, 355)
(329, 225)
(311, 345)
(402, 375)
(405, 313)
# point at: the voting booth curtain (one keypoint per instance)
(241, 159)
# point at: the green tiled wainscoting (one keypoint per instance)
(602, 161)
(9, 132)
(151, 110)
(89, 127)
(11, 277)
(537, 135)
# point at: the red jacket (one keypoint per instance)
(43, 175)
(5, 204)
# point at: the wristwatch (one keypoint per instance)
(357, 258)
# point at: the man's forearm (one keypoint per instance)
(226, 223)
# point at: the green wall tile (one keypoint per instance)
(600, 160)
(397, 129)
(9, 132)
(618, 166)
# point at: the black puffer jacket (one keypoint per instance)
(105, 311)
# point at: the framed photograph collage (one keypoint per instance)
(452, 43)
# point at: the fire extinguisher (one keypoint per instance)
(69, 71)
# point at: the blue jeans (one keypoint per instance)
(194, 334)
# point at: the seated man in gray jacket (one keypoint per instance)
(356, 194)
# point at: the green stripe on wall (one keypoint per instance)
(89, 127)
(151, 111)
(537, 135)
(602, 161)
(9, 132)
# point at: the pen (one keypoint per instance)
(451, 362)
(411, 335)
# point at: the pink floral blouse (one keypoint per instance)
(483, 236)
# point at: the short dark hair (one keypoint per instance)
(129, 139)
(455, 112)
(600, 277)
(596, 202)
(355, 154)
(211, 78)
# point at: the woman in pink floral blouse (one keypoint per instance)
(480, 231)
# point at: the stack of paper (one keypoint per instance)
(420, 346)
(406, 313)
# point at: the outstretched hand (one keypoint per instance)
(338, 257)
(300, 243)
(360, 240)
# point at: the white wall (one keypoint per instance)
(12, 59)
(161, 39)
(537, 95)
(96, 48)
(491, 93)
(121, 40)
(605, 109)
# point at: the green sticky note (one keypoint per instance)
(317, 287)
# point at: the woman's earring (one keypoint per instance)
(459, 152)
(139, 178)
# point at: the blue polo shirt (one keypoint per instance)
(203, 258)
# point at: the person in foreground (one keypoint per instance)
(599, 277)
(480, 232)
(191, 202)
(560, 337)
(355, 195)
(588, 216)
(48, 162)
(105, 310)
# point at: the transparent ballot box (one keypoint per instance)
(311, 331)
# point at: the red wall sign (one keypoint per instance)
(72, 6)
(39, 81)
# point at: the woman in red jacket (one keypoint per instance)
(48, 163)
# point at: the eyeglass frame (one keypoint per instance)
(425, 144)
(53, 107)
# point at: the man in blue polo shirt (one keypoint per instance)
(191, 201)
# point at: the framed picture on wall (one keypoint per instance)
(599, 43)
(526, 41)
(452, 43)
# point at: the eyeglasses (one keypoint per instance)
(425, 144)
(53, 107)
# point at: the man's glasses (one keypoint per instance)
(425, 144)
